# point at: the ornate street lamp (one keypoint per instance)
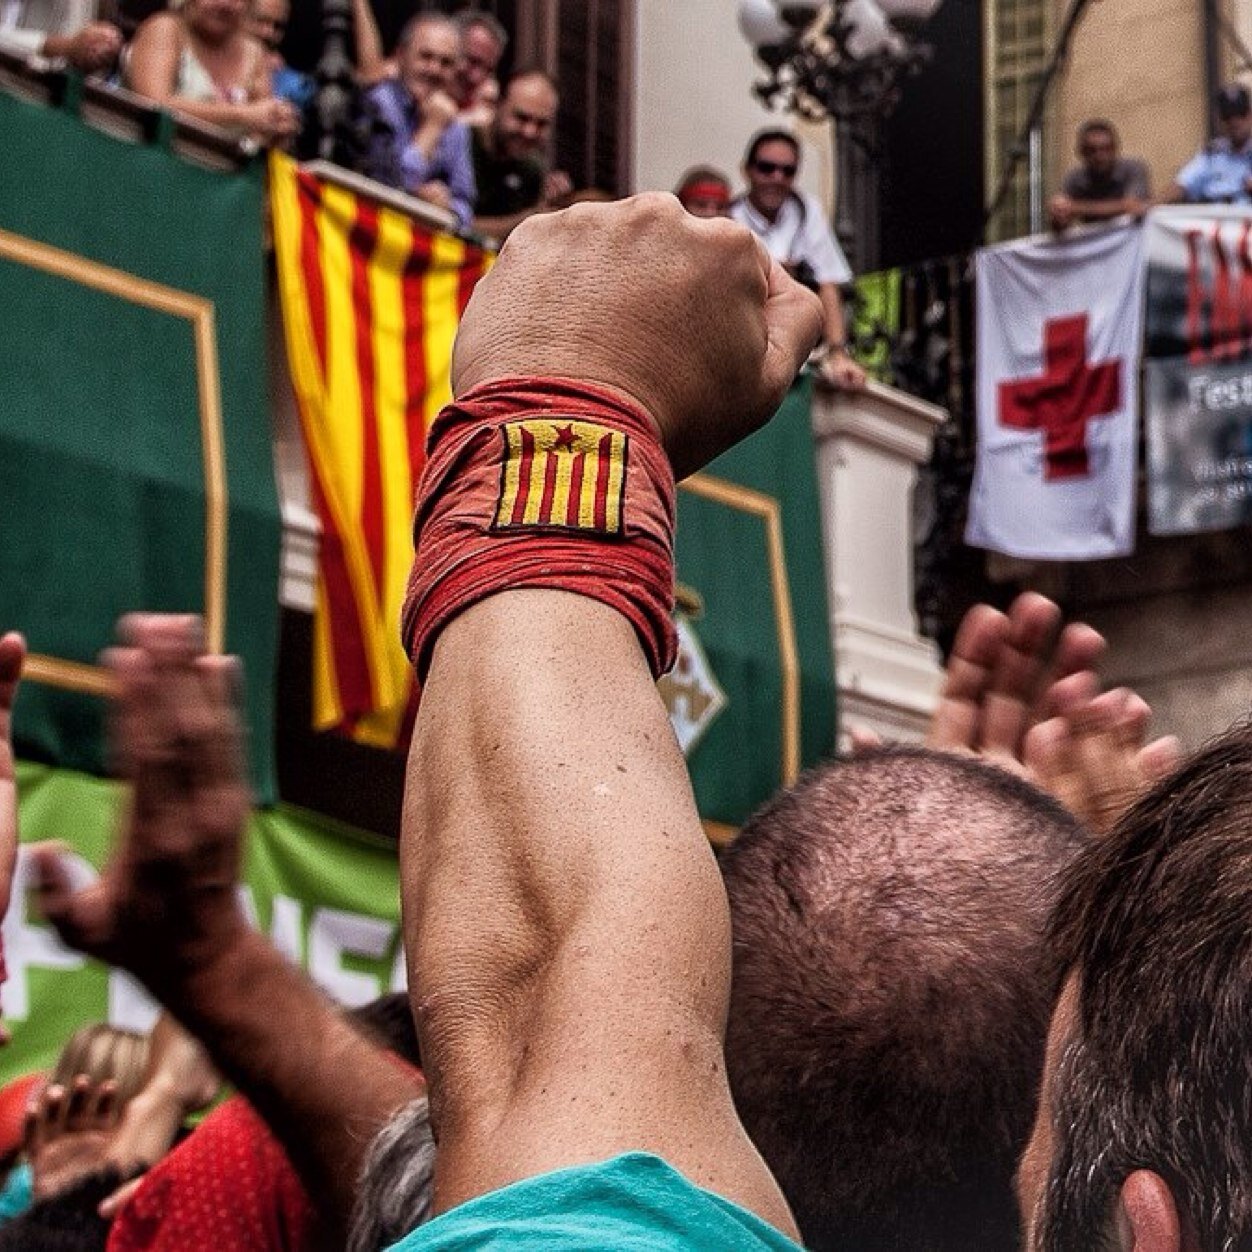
(843, 60)
(335, 80)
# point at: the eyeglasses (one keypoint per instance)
(433, 58)
(775, 167)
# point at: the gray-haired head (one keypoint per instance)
(396, 1186)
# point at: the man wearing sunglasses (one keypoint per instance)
(794, 229)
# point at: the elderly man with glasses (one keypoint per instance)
(794, 229)
(414, 140)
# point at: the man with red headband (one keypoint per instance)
(704, 192)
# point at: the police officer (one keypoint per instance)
(1221, 172)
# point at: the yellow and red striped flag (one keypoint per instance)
(371, 302)
(566, 474)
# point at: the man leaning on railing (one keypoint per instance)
(67, 30)
(1104, 185)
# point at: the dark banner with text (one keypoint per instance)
(1198, 369)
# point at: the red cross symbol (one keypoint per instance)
(1064, 398)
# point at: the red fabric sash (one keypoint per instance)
(543, 483)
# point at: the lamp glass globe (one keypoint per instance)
(909, 11)
(760, 24)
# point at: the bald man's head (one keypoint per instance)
(525, 115)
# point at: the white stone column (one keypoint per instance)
(302, 529)
(869, 446)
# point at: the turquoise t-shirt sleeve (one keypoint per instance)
(17, 1195)
(632, 1203)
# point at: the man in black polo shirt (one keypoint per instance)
(1104, 185)
(509, 156)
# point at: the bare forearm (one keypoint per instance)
(322, 1088)
(834, 327)
(215, 113)
(1102, 210)
(551, 837)
(370, 61)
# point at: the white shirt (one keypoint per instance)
(800, 232)
(26, 24)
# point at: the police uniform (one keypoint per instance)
(1218, 174)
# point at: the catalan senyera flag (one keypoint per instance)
(563, 473)
(371, 302)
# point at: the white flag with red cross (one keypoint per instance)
(1059, 324)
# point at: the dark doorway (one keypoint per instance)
(304, 34)
(932, 171)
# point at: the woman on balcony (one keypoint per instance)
(200, 61)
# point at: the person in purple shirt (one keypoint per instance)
(414, 140)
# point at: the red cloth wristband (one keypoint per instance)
(543, 482)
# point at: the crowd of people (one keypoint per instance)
(991, 992)
(431, 119)
(1104, 184)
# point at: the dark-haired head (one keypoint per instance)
(771, 134)
(1149, 1082)
(891, 995)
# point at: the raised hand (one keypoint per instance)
(67, 1133)
(1095, 757)
(180, 1080)
(691, 318)
(165, 907)
(12, 655)
(1008, 672)
(1022, 692)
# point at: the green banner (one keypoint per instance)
(135, 460)
(327, 895)
(752, 696)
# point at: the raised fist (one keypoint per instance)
(435, 192)
(438, 110)
(691, 318)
